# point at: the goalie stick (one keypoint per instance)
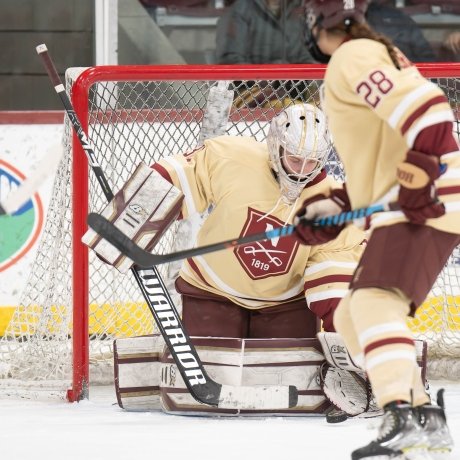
(24, 192)
(200, 385)
(139, 256)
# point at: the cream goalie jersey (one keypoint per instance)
(232, 174)
(403, 103)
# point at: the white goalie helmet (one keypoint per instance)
(299, 145)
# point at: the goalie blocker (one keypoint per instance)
(143, 210)
(146, 377)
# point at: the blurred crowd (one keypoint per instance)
(273, 31)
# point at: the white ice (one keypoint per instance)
(99, 429)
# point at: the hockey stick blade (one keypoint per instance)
(139, 256)
(260, 397)
(26, 190)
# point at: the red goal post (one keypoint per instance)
(74, 305)
(80, 101)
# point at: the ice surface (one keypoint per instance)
(99, 429)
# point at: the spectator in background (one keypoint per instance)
(450, 49)
(402, 29)
(262, 32)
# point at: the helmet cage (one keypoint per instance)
(298, 137)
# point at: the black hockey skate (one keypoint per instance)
(400, 437)
(433, 420)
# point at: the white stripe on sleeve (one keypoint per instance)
(185, 186)
(406, 102)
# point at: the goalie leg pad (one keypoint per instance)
(137, 372)
(251, 362)
(143, 209)
(231, 361)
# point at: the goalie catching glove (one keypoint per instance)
(317, 207)
(346, 384)
(417, 195)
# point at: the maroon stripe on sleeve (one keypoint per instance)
(326, 280)
(162, 171)
(196, 149)
(436, 139)
(324, 309)
(390, 341)
(197, 271)
(448, 190)
(420, 111)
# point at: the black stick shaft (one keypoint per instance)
(87, 147)
(143, 258)
(59, 87)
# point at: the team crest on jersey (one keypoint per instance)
(263, 259)
(20, 231)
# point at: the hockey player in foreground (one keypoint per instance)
(393, 132)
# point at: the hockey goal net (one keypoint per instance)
(74, 306)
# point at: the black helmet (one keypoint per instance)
(330, 13)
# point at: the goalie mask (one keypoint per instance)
(299, 146)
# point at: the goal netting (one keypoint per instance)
(73, 306)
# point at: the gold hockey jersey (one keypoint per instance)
(375, 113)
(232, 174)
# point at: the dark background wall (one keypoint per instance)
(65, 26)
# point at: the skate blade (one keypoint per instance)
(413, 453)
(416, 453)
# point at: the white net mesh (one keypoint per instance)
(143, 120)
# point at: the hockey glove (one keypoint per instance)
(316, 207)
(417, 193)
